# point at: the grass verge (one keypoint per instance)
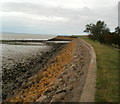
(107, 72)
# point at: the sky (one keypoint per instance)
(56, 16)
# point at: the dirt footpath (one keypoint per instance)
(88, 93)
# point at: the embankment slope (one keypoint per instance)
(63, 80)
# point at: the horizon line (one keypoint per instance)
(42, 33)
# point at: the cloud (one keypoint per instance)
(61, 16)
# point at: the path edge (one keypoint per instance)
(89, 89)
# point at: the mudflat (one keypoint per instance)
(21, 61)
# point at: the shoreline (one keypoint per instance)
(21, 72)
(62, 80)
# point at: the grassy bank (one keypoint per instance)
(107, 72)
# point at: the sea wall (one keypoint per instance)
(67, 77)
(16, 74)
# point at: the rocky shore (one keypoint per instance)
(16, 74)
(62, 80)
(68, 85)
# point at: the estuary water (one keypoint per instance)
(10, 54)
(22, 36)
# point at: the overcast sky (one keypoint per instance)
(56, 16)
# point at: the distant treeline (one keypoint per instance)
(101, 33)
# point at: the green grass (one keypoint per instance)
(107, 72)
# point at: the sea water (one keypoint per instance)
(22, 36)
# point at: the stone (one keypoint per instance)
(58, 97)
(69, 88)
(57, 81)
(42, 98)
(48, 90)
(81, 73)
(61, 89)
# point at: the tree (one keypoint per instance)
(97, 30)
(117, 38)
(88, 28)
(117, 30)
(101, 33)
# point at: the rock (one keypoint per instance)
(57, 81)
(24, 86)
(49, 90)
(66, 78)
(58, 97)
(61, 89)
(10, 59)
(59, 76)
(72, 79)
(51, 93)
(81, 73)
(75, 57)
(69, 88)
(22, 70)
(42, 98)
(33, 98)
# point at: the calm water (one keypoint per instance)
(15, 36)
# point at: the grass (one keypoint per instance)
(107, 72)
